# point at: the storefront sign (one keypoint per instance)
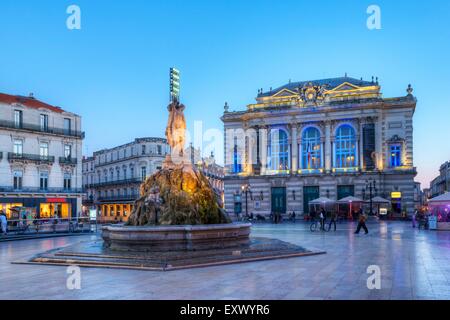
(396, 195)
(56, 200)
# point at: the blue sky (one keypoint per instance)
(114, 71)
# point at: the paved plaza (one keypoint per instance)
(415, 264)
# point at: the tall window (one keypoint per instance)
(67, 151)
(159, 149)
(67, 181)
(67, 126)
(124, 173)
(118, 174)
(345, 147)
(17, 179)
(143, 149)
(132, 172)
(279, 154)
(43, 180)
(143, 173)
(311, 149)
(395, 156)
(18, 118)
(237, 162)
(44, 122)
(43, 150)
(18, 147)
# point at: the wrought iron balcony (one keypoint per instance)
(30, 157)
(68, 160)
(129, 197)
(39, 190)
(116, 183)
(37, 128)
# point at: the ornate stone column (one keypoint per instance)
(360, 144)
(264, 147)
(294, 147)
(328, 147)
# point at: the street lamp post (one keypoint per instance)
(371, 186)
(246, 189)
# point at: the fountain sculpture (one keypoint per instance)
(178, 209)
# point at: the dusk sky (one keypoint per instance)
(114, 71)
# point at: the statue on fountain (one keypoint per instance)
(178, 194)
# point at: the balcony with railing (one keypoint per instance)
(68, 161)
(37, 128)
(30, 158)
(126, 197)
(10, 189)
(116, 183)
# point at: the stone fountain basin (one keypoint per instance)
(176, 238)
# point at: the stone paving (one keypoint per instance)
(415, 264)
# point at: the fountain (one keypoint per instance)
(177, 209)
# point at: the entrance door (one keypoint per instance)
(279, 200)
(309, 194)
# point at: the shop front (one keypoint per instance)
(115, 212)
(440, 210)
(396, 203)
(45, 208)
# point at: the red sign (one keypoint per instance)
(56, 200)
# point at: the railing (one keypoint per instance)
(39, 190)
(50, 225)
(68, 160)
(31, 157)
(130, 197)
(38, 128)
(134, 156)
(116, 182)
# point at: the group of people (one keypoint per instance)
(3, 223)
(362, 218)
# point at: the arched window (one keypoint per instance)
(279, 154)
(237, 162)
(311, 149)
(345, 147)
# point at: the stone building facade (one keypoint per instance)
(112, 177)
(326, 138)
(441, 184)
(40, 158)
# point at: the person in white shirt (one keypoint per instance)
(3, 222)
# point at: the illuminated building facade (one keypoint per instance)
(327, 138)
(40, 158)
(112, 177)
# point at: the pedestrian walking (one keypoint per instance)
(414, 218)
(4, 223)
(323, 215)
(362, 223)
(333, 220)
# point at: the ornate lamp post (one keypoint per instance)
(246, 189)
(371, 187)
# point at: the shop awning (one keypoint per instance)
(322, 200)
(379, 200)
(442, 199)
(350, 200)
